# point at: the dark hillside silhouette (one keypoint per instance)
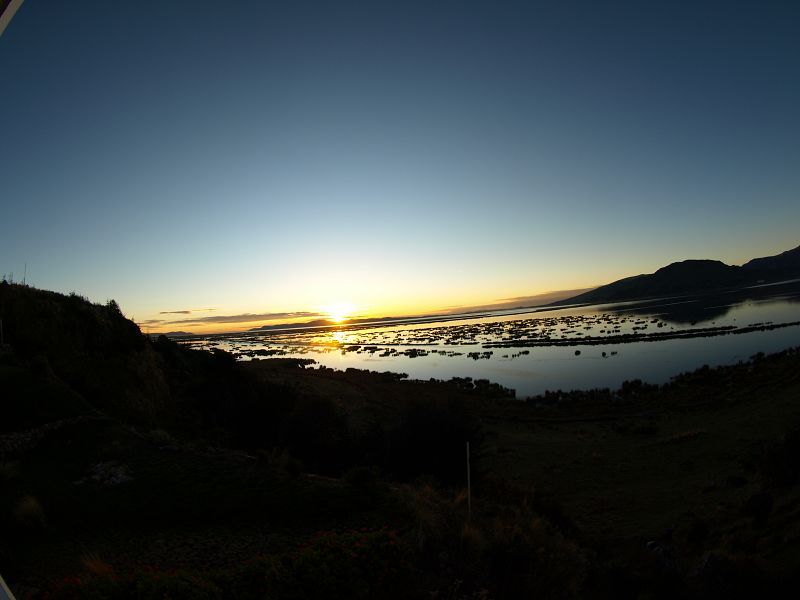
(694, 277)
(128, 463)
(92, 348)
(787, 263)
(94, 360)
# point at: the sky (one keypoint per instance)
(218, 166)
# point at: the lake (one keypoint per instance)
(534, 350)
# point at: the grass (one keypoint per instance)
(200, 465)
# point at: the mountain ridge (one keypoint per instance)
(694, 276)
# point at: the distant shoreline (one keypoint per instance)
(614, 306)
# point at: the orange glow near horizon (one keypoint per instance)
(339, 312)
(336, 313)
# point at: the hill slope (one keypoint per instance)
(694, 277)
(575, 494)
(787, 263)
(92, 348)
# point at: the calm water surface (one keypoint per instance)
(533, 351)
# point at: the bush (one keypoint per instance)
(145, 584)
(527, 557)
(114, 307)
(780, 461)
(431, 440)
(315, 431)
(348, 565)
(361, 476)
(513, 552)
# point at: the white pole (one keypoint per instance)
(469, 488)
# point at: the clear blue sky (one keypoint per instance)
(394, 156)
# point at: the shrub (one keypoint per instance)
(145, 584)
(527, 557)
(780, 461)
(431, 440)
(361, 476)
(114, 307)
(29, 513)
(315, 431)
(513, 552)
(348, 565)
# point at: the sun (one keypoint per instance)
(339, 312)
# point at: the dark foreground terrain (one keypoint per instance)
(132, 468)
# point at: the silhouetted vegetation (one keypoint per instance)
(90, 347)
(780, 460)
(430, 439)
(427, 438)
(137, 468)
(337, 565)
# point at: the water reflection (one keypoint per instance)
(695, 310)
(531, 351)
